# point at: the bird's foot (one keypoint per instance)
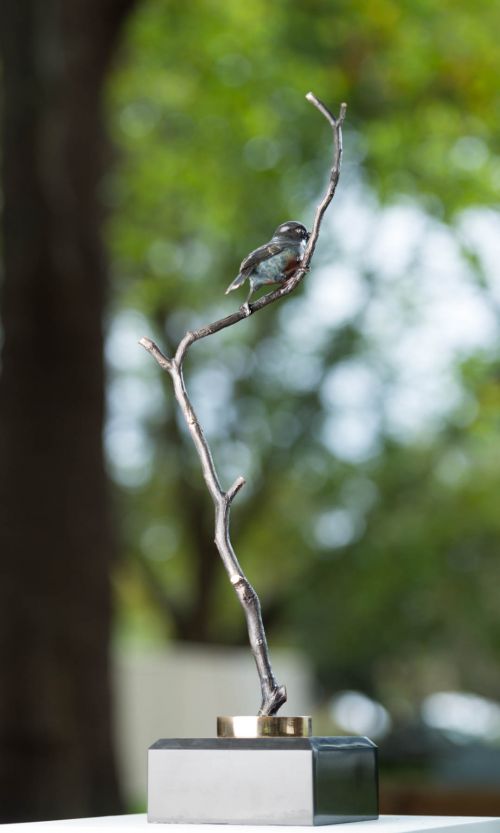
(245, 308)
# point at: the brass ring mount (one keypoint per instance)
(250, 726)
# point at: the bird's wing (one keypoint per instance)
(238, 281)
(260, 254)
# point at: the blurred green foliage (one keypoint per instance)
(215, 145)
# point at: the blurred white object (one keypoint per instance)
(355, 712)
(462, 712)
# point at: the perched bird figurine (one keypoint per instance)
(275, 261)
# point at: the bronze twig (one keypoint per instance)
(273, 694)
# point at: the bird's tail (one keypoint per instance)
(238, 281)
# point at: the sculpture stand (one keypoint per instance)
(273, 772)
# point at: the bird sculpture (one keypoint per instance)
(275, 261)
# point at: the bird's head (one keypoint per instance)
(295, 232)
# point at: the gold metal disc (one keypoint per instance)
(250, 726)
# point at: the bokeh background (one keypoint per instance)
(147, 146)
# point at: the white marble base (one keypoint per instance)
(385, 824)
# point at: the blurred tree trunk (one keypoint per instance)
(56, 755)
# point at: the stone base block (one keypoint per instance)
(286, 781)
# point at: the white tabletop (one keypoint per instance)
(385, 824)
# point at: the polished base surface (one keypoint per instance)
(261, 781)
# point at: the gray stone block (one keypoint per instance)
(286, 781)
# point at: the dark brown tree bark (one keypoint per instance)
(56, 548)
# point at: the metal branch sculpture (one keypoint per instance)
(273, 694)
